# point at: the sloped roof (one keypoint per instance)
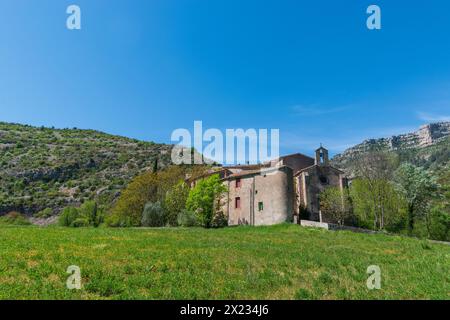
(316, 165)
(254, 172)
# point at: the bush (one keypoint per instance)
(46, 213)
(118, 221)
(187, 218)
(14, 218)
(68, 216)
(90, 212)
(153, 215)
(439, 224)
(220, 220)
(80, 223)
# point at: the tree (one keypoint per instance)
(168, 178)
(89, 210)
(438, 224)
(155, 166)
(175, 202)
(204, 199)
(417, 187)
(147, 187)
(335, 204)
(128, 209)
(366, 208)
(68, 216)
(375, 168)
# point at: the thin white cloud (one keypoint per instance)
(425, 116)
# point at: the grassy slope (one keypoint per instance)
(51, 168)
(279, 262)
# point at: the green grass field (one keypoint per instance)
(279, 262)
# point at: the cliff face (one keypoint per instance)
(428, 138)
(432, 133)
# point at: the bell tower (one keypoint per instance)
(321, 156)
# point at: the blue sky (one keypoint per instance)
(143, 68)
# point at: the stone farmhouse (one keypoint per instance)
(286, 189)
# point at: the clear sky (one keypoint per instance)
(143, 68)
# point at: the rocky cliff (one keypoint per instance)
(428, 144)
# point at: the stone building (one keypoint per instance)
(260, 197)
(285, 189)
(311, 181)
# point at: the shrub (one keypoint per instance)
(117, 221)
(68, 216)
(220, 220)
(187, 218)
(15, 218)
(80, 223)
(438, 224)
(153, 215)
(46, 213)
(90, 212)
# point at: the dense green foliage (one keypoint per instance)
(166, 187)
(153, 215)
(46, 213)
(128, 209)
(417, 188)
(50, 168)
(402, 190)
(187, 218)
(85, 216)
(204, 199)
(278, 262)
(378, 213)
(15, 219)
(175, 202)
(335, 203)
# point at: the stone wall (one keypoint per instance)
(273, 188)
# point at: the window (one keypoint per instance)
(237, 203)
(238, 183)
(323, 180)
(260, 206)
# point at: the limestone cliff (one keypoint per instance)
(422, 144)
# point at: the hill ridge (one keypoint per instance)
(43, 167)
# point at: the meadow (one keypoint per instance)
(277, 262)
